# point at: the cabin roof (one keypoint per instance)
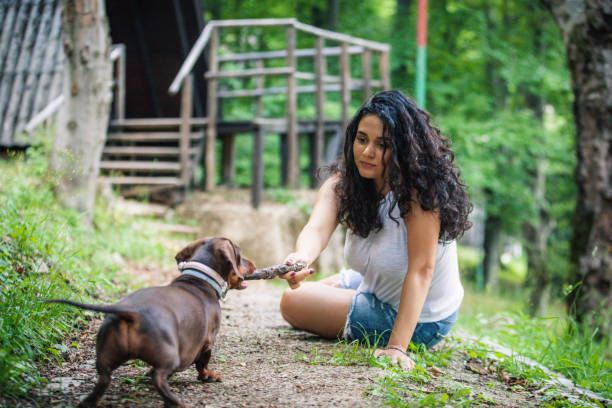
(157, 35)
(31, 63)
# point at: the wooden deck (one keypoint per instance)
(166, 151)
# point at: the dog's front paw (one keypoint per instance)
(209, 376)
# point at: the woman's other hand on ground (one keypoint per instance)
(294, 278)
(397, 357)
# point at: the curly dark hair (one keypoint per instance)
(421, 165)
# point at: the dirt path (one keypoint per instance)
(254, 353)
(257, 354)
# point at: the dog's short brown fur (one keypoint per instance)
(169, 327)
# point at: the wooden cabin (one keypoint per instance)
(171, 74)
(151, 39)
(197, 145)
(31, 65)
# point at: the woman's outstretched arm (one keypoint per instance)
(315, 235)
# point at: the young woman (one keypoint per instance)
(399, 194)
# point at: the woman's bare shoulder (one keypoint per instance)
(329, 185)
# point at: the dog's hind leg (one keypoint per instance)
(107, 360)
(201, 363)
(104, 379)
(160, 380)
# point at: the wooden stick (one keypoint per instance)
(274, 271)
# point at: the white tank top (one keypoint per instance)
(382, 259)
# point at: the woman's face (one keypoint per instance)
(368, 149)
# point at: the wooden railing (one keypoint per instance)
(322, 83)
(118, 58)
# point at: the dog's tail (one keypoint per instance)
(123, 312)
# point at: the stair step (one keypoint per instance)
(139, 165)
(149, 136)
(173, 181)
(145, 151)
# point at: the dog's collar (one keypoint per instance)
(206, 273)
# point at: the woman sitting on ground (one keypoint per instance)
(399, 194)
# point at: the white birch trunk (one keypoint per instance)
(83, 119)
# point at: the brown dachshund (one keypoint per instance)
(170, 327)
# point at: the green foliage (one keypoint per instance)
(46, 252)
(497, 86)
(514, 271)
(469, 259)
(558, 343)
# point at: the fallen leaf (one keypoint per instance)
(435, 371)
(476, 370)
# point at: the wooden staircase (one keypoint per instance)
(147, 152)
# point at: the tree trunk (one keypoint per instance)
(401, 42)
(497, 83)
(83, 118)
(536, 236)
(537, 231)
(587, 34)
(493, 223)
(333, 8)
(492, 251)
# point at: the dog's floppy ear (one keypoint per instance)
(228, 253)
(186, 253)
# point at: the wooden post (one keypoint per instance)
(229, 159)
(384, 70)
(366, 62)
(185, 129)
(319, 138)
(258, 146)
(293, 176)
(118, 58)
(259, 86)
(284, 165)
(121, 84)
(211, 105)
(257, 185)
(345, 74)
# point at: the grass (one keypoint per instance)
(47, 252)
(430, 384)
(557, 342)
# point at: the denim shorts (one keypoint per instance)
(371, 321)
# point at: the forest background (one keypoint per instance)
(497, 86)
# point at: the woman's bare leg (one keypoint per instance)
(333, 280)
(317, 307)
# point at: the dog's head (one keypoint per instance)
(223, 256)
